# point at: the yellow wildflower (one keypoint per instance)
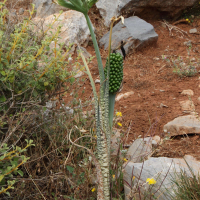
(93, 189)
(119, 124)
(113, 176)
(133, 178)
(118, 114)
(95, 136)
(125, 160)
(151, 181)
(187, 19)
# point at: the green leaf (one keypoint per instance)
(20, 173)
(70, 169)
(1, 177)
(2, 99)
(46, 83)
(72, 80)
(3, 73)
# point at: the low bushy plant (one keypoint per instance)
(29, 68)
(10, 161)
(182, 67)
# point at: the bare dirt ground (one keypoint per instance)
(153, 82)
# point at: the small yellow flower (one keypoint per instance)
(119, 124)
(93, 189)
(113, 176)
(151, 181)
(125, 160)
(95, 136)
(187, 19)
(118, 114)
(133, 178)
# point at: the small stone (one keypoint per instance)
(162, 90)
(126, 95)
(174, 98)
(97, 81)
(193, 30)
(21, 11)
(162, 105)
(79, 74)
(198, 99)
(156, 58)
(187, 105)
(188, 43)
(193, 59)
(157, 139)
(187, 92)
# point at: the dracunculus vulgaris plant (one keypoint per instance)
(104, 103)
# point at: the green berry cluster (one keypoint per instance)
(116, 71)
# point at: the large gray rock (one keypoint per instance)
(171, 8)
(47, 7)
(183, 125)
(135, 32)
(163, 170)
(74, 27)
(140, 150)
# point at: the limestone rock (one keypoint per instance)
(74, 27)
(125, 95)
(187, 92)
(193, 30)
(187, 106)
(47, 7)
(183, 125)
(139, 150)
(162, 170)
(157, 139)
(115, 140)
(170, 8)
(135, 33)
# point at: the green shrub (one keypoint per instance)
(10, 161)
(182, 67)
(29, 69)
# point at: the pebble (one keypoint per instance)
(193, 30)
(188, 43)
(162, 105)
(187, 92)
(97, 81)
(21, 11)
